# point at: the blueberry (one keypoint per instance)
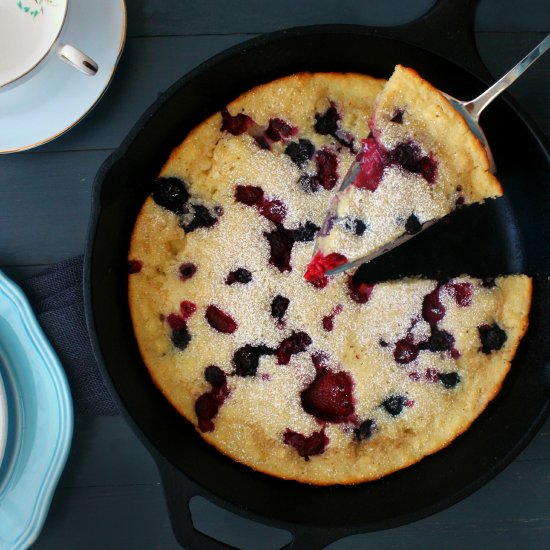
(201, 218)
(181, 338)
(240, 275)
(246, 359)
(170, 193)
(440, 340)
(365, 429)
(300, 152)
(492, 338)
(412, 225)
(327, 123)
(304, 233)
(408, 155)
(394, 404)
(279, 306)
(449, 379)
(360, 227)
(355, 225)
(215, 376)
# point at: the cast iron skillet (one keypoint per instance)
(504, 236)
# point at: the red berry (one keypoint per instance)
(405, 351)
(176, 321)
(329, 397)
(236, 125)
(372, 164)
(327, 168)
(359, 292)
(320, 264)
(220, 321)
(432, 308)
(306, 446)
(134, 266)
(295, 343)
(249, 194)
(462, 293)
(328, 320)
(187, 309)
(278, 129)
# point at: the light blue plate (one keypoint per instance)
(40, 420)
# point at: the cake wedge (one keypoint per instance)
(419, 163)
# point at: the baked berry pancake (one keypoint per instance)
(331, 381)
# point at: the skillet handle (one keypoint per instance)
(446, 29)
(179, 490)
(314, 538)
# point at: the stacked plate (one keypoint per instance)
(36, 420)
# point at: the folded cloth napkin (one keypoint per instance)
(57, 298)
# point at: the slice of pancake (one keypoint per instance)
(420, 162)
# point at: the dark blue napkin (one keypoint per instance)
(57, 299)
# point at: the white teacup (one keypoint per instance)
(29, 31)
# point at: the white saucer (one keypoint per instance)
(58, 96)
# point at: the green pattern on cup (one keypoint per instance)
(34, 7)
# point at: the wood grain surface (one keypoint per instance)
(110, 496)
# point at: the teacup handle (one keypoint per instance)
(77, 59)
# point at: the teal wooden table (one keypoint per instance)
(110, 494)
